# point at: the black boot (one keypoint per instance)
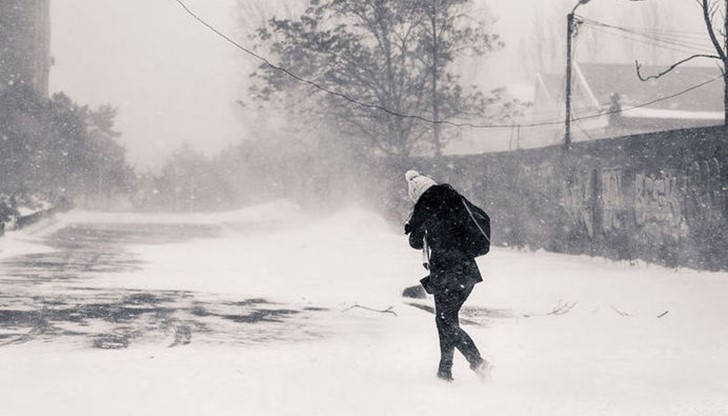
(445, 376)
(481, 368)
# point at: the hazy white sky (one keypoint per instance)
(175, 82)
(172, 81)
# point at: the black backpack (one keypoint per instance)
(476, 230)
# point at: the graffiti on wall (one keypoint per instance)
(664, 199)
(657, 200)
(705, 194)
(612, 199)
(663, 206)
(578, 200)
(539, 172)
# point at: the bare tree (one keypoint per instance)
(377, 55)
(711, 11)
(449, 30)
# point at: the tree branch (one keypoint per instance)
(638, 66)
(711, 32)
(388, 310)
(561, 308)
(621, 313)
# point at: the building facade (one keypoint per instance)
(25, 54)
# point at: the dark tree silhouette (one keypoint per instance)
(392, 54)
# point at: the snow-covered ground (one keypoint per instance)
(567, 335)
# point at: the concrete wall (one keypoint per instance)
(661, 197)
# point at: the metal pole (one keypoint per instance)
(569, 35)
(435, 99)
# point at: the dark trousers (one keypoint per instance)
(447, 308)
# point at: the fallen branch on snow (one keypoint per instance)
(627, 314)
(620, 312)
(561, 308)
(388, 310)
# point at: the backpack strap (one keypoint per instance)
(425, 253)
(472, 217)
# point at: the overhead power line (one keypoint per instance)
(652, 31)
(650, 37)
(303, 80)
(414, 116)
(646, 41)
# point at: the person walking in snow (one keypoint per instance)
(436, 226)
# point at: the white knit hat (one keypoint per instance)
(417, 184)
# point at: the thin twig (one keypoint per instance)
(663, 314)
(388, 310)
(561, 308)
(620, 312)
(673, 66)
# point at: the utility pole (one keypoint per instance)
(435, 102)
(569, 37)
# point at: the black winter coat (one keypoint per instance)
(440, 217)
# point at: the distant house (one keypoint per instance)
(604, 97)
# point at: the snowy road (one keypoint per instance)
(50, 295)
(243, 313)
